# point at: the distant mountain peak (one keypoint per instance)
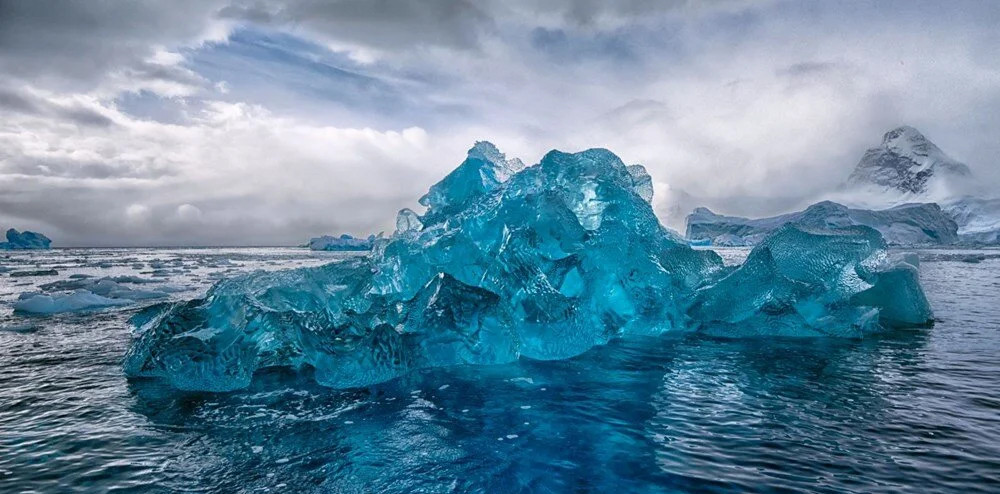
(905, 162)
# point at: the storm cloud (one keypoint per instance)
(266, 122)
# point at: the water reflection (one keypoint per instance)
(640, 415)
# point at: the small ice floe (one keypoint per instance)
(89, 294)
(81, 300)
(37, 272)
(18, 328)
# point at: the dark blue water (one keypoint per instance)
(915, 411)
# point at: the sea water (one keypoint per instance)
(915, 410)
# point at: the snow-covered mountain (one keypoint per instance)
(908, 167)
(908, 163)
(907, 188)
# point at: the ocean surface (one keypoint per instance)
(909, 411)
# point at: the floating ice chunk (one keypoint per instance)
(896, 293)
(800, 282)
(343, 242)
(544, 263)
(37, 272)
(527, 266)
(19, 328)
(82, 300)
(25, 241)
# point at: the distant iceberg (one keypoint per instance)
(905, 225)
(82, 294)
(542, 262)
(78, 301)
(25, 241)
(343, 242)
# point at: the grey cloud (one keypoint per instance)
(807, 68)
(379, 24)
(257, 12)
(74, 45)
(28, 104)
(594, 13)
(12, 101)
(84, 116)
(159, 72)
(810, 93)
(80, 169)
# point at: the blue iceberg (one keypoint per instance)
(345, 242)
(25, 241)
(542, 262)
(814, 282)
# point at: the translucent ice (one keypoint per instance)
(542, 262)
(84, 293)
(80, 300)
(801, 282)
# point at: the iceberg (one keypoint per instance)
(80, 300)
(344, 242)
(905, 225)
(84, 293)
(541, 262)
(25, 241)
(823, 282)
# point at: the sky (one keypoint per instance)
(224, 122)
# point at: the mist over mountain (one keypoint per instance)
(907, 188)
(908, 163)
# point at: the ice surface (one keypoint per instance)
(343, 242)
(908, 224)
(85, 293)
(542, 262)
(25, 241)
(80, 300)
(824, 282)
(978, 219)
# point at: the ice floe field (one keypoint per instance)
(909, 410)
(63, 281)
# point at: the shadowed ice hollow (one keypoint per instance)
(542, 262)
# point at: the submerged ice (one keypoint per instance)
(507, 261)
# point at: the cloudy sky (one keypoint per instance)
(266, 122)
